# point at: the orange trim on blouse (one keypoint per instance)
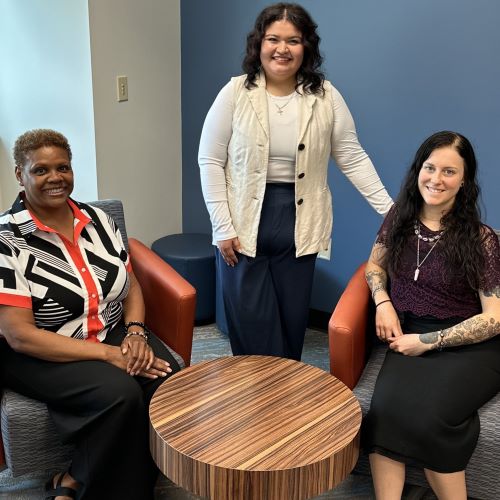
(7, 299)
(94, 324)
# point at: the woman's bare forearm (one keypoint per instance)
(133, 305)
(20, 332)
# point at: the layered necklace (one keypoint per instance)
(283, 106)
(430, 239)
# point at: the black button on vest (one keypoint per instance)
(300, 202)
(302, 147)
(301, 175)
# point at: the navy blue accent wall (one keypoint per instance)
(406, 70)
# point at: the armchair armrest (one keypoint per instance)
(347, 330)
(170, 300)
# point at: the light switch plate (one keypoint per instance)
(122, 88)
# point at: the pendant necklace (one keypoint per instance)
(430, 239)
(280, 108)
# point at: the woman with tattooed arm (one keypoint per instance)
(434, 274)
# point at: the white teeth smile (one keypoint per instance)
(434, 190)
(53, 192)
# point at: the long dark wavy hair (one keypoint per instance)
(309, 74)
(461, 240)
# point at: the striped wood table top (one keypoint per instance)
(254, 427)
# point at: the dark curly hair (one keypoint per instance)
(35, 139)
(309, 75)
(463, 235)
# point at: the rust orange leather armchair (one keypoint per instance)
(170, 300)
(347, 330)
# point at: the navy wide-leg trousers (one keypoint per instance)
(266, 297)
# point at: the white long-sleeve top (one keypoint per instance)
(283, 130)
(236, 149)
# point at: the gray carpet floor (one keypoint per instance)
(208, 344)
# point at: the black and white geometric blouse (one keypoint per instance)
(73, 288)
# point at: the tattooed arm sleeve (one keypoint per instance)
(375, 274)
(479, 328)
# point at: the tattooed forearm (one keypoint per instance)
(377, 280)
(429, 338)
(471, 331)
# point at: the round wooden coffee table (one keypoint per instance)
(255, 427)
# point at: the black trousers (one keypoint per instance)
(266, 297)
(100, 409)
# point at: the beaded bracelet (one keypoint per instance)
(441, 342)
(144, 335)
(135, 323)
(382, 302)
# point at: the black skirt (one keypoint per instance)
(424, 408)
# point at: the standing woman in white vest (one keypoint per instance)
(263, 157)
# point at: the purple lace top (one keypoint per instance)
(437, 292)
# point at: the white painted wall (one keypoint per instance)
(138, 142)
(45, 82)
(58, 65)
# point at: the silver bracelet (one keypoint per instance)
(144, 335)
(441, 342)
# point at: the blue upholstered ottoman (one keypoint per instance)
(192, 256)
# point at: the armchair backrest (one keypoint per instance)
(114, 208)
